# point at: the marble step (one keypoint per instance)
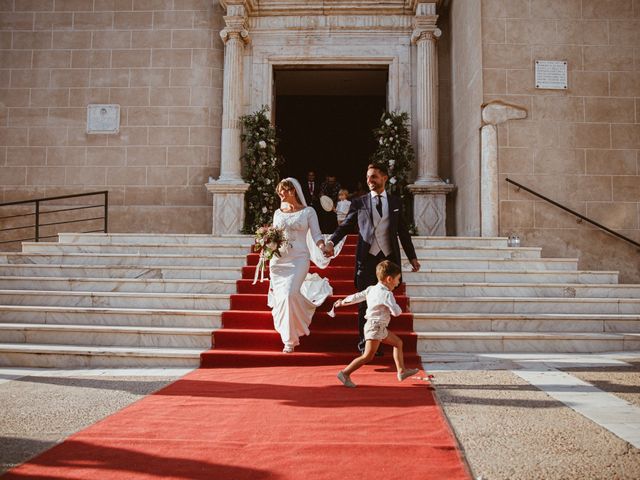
(175, 249)
(89, 356)
(428, 275)
(482, 253)
(169, 301)
(522, 342)
(141, 285)
(560, 290)
(192, 239)
(185, 244)
(123, 259)
(111, 271)
(110, 316)
(524, 305)
(146, 238)
(530, 322)
(100, 335)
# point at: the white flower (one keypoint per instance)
(272, 246)
(391, 139)
(268, 181)
(264, 209)
(381, 140)
(388, 121)
(262, 144)
(392, 162)
(392, 180)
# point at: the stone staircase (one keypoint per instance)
(154, 300)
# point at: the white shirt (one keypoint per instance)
(381, 241)
(381, 303)
(342, 208)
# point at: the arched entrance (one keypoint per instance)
(324, 119)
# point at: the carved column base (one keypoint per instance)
(228, 207)
(430, 207)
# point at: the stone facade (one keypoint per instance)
(578, 147)
(160, 60)
(165, 62)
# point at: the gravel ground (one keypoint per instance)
(623, 382)
(511, 430)
(40, 411)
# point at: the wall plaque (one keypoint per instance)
(551, 74)
(102, 118)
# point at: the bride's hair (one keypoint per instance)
(288, 185)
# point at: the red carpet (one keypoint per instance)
(290, 421)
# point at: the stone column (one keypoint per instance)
(229, 189)
(429, 190)
(493, 113)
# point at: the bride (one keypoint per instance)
(294, 295)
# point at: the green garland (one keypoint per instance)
(261, 170)
(396, 154)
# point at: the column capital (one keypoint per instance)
(424, 23)
(235, 21)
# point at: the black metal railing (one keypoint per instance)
(40, 210)
(574, 213)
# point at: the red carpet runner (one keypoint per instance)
(290, 421)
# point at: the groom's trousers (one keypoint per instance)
(366, 277)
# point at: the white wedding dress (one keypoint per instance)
(294, 294)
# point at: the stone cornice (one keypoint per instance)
(331, 22)
(325, 7)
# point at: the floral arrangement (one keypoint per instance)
(270, 241)
(395, 152)
(261, 169)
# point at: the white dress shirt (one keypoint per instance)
(381, 303)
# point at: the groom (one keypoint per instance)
(379, 218)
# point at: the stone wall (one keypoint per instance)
(160, 60)
(579, 146)
(462, 41)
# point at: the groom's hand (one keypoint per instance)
(415, 264)
(328, 249)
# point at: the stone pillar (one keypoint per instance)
(493, 113)
(429, 190)
(229, 189)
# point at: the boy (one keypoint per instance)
(380, 306)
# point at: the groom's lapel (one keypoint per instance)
(367, 206)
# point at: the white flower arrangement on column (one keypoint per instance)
(261, 169)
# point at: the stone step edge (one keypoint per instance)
(114, 310)
(249, 236)
(115, 254)
(81, 293)
(119, 279)
(526, 316)
(505, 299)
(498, 335)
(108, 329)
(151, 352)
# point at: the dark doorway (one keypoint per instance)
(324, 120)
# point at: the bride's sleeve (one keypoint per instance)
(314, 226)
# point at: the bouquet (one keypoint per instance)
(270, 241)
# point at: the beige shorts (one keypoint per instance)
(375, 331)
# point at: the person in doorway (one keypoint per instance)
(329, 188)
(381, 304)
(311, 191)
(342, 207)
(378, 216)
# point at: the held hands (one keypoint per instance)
(415, 264)
(328, 249)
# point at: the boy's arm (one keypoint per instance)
(392, 305)
(353, 299)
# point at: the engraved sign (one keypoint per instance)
(551, 74)
(102, 118)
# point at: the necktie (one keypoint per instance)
(379, 204)
(311, 188)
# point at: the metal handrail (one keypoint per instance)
(38, 213)
(573, 212)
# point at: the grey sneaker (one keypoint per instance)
(407, 373)
(346, 381)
